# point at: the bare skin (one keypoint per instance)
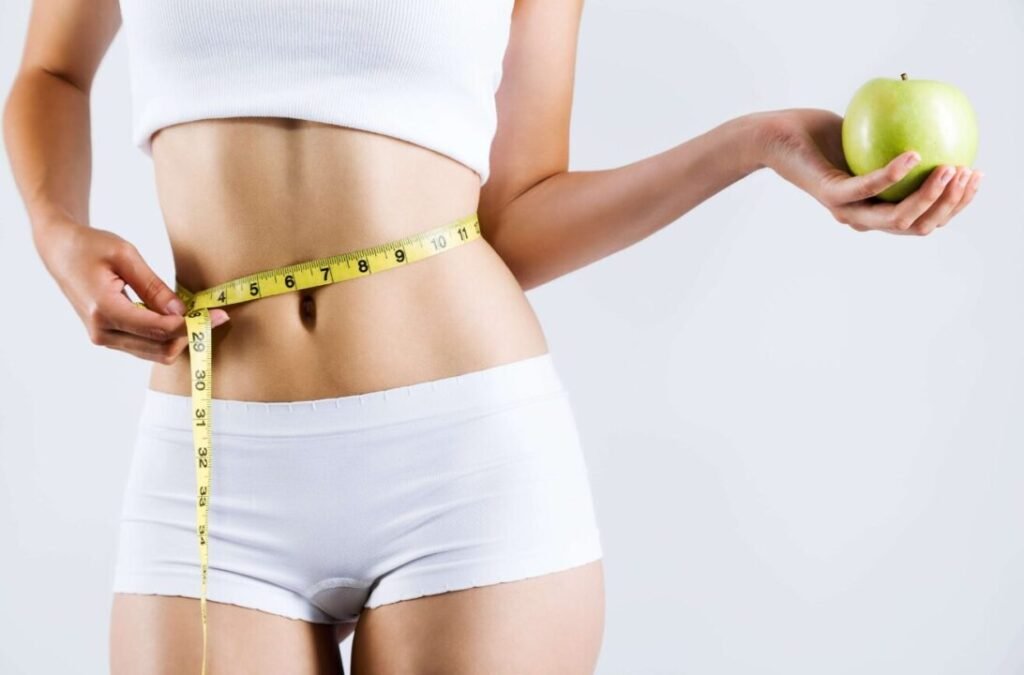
(261, 193)
(245, 194)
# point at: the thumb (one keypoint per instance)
(870, 184)
(128, 263)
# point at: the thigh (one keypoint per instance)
(548, 624)
(162, 635)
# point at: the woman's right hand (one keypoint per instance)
(92, 268)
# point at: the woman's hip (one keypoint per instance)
(506, 434)
(482, 471)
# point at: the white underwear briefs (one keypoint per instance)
(319, 508)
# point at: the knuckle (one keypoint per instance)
(94, 313)
(831, 195)
(170, 355)
(902, 223)
(924, 227)
(123, 250)
(153, 287)
(871, 189)
(171, 351)
(892, 173)
(96, 336)
(848, 190)
(827, 194)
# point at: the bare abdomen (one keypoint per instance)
(244, 195)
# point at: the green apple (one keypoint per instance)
(889, 116)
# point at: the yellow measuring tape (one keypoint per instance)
(310, 274)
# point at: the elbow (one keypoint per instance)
(506, 225)
(518, 259)
(493, 234)
(17, 97)
(8, 112)
(526, 280)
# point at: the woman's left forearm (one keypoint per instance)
(574, 218)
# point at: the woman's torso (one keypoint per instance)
(242, 195)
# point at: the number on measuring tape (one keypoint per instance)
(289, 281)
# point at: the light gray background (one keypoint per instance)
(805, 442)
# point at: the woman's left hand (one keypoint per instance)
(804, 146)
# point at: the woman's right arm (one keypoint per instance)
(46, 126)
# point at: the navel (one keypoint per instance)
(307, 308)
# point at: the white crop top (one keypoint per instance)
(424, 71)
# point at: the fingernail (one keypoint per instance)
(175, 306)
(912, 159)
(965, 176)
(218, 319)
(946, 174)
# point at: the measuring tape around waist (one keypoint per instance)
(297, 277)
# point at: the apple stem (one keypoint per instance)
(903, 76)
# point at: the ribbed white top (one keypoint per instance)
(424, 71)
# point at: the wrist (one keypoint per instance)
(757, 130)
(53, 232)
